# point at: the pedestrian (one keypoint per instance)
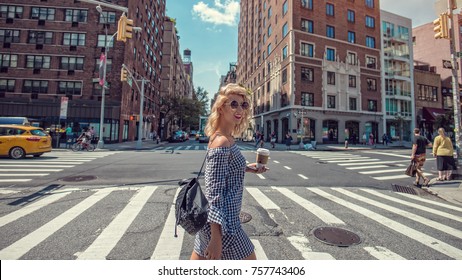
(223, 237)
(92, 133)
(69, 136)
(371, 139)
(364, 138)
(260, 141)
(443, 151)
(385, 139)
(418, 155)
(288, 140)
(273, 139)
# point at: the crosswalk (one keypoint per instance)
(198, 147)
(137, 222)
(381, 170)
(15, 171)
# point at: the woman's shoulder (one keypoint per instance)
(219, 141)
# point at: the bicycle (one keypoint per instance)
(80, 145)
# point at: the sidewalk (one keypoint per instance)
(450, 191)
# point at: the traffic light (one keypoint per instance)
(124, 28)
(441, 26)
(123, 75)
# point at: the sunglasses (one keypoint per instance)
(234, 104)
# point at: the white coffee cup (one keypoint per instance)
(262, 157)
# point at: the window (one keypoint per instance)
(370, 3)
(371, 84)
(40, 37)
(35, 86)
(307, 25)
(284, 76)
(330, 31)
(370, 22)
(307, 4)
(74, 15)
(352, 81)
(284, 52)
(329, 9)
(269, 49)
(331, 101)
(352, 104)
(427, 93)
(269, 31)
(351, 58)
(9, 60)
(38, 61)
(307, 50)
(103, 40)
(72, 63)
(351, 37)
(285, 8)
(307, 99)
(372, 105)
(370, 62)
(9, 36)
(285, 30)
(7, 85)
(107, 17)
(11, 11)
(330, 54)
(42, 13)
(351, 16)
(74, 39)
(71, 88)
(370, 42)
(330, 78)
(307, 74)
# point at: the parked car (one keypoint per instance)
(177, 136)
(18, 141)
(203, 139)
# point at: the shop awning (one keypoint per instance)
(430, 114)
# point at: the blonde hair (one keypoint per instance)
(222, 98)
(441, 132)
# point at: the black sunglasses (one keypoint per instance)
(234, 104)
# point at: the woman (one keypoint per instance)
(443, 150)
(223, 237)
(288, 141)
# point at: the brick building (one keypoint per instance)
(51, 49)
(314, 67)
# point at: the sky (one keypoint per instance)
(209, 29)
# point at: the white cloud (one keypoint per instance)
(220, 13)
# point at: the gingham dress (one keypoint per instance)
(224, 177)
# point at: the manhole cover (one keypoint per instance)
(336, 236)
(403, 189)
(245, 217)
(78, 178)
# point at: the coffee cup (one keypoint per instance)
(262, 157)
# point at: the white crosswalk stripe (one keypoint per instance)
(377, 169)
(196, 147)
(55, 161)
(344, 207)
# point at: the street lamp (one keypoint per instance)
(103, 89)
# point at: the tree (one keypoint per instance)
(203, 97)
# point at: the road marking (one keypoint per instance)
(406, 214)
(196, 148)
(303, 177)
(382, 253)
(262, 199)
(382, 171)
(14, 180)
(302, 244)
(35, 165)
(287, 167)
(311, 207)
(24, 175)
(275, 161)
(261, 176)
(369, 163)
(31, 170)
(387, 154)
(108, 239)
(367, 167)
(25, 244)
(168, 247)
(426, 240)
(259, 252)
(449, 206)
(353, 160)
(397, 176)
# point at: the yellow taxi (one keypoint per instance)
(17, 141)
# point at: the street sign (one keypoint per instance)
(63, 109)
(447, 64)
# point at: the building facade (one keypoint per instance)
(314, 68)
(53, 49)
(397, 77)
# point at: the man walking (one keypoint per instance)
(419, 146)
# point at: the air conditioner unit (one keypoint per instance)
(6, 45)
(38, 46)
(9, 20)
(41, 22)
(36, 71)
(70, 72)
(73, 48)
(75, 24)
(4, 70)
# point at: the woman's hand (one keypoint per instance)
(252, 168)
(215, 247)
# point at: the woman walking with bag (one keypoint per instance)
(223, 237)
(418, 155)
(443, 151)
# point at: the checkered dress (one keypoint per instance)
(224, 177)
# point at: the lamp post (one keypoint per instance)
(103, 89)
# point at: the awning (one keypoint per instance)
(430, 114)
